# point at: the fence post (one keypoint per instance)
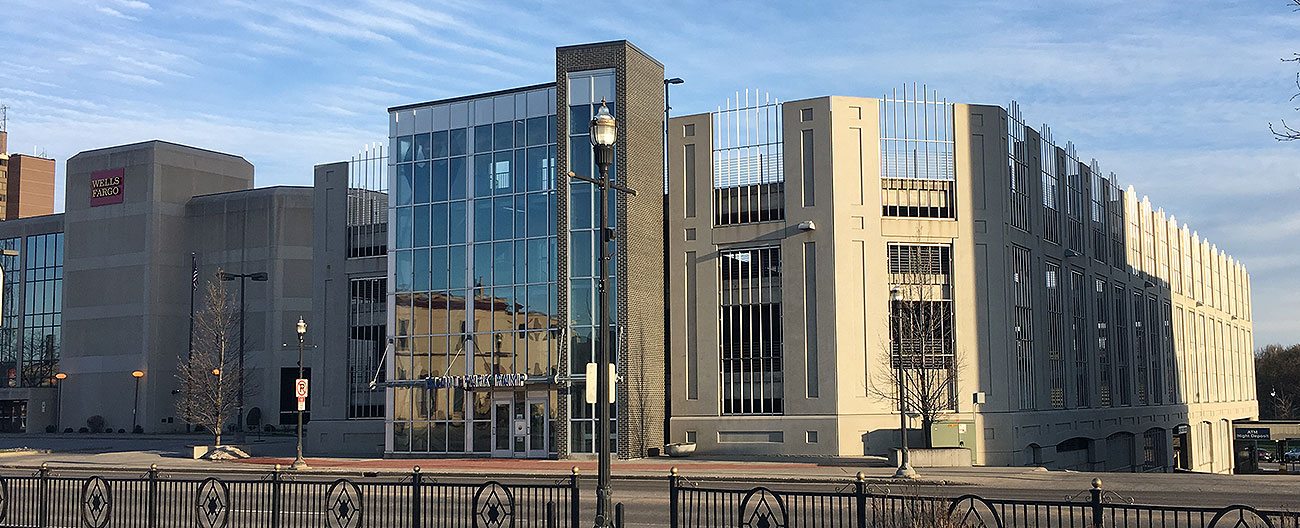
(618, 515)
(672, 497)
(153, 496)
(574, 504)
(1096, 503)
(860, 494)
(275, 496)
(43, 509)
(550, 514)
(415, 497)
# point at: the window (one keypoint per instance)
(1073, 201)
(749, 163)
(1055, 335)
(1023, 324)
(1097, 192)
(1123, 379)
(1079, 339)
(1017, 169)
(1101, 299)
(367, 309)
(921, 323)
(368, 203)
(42, 312)
(805, 115)
(750, 331)
(916, 155)
(1051, 187)
(1141, 345)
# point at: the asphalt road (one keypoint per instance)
(646, 501)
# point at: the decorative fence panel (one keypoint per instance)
(860, 506)
(47, 500)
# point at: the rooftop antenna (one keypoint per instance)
(4, 118)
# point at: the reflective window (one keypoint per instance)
(476, 295)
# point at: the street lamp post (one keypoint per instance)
(239, 398)
(895, 310)
(135, 406)
(604, 134)
(58, 400)
(667, 108)
(298, 462)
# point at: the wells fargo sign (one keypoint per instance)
(106, 187)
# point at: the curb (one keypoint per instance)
(260, 469)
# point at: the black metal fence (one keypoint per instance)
(46, 499)
(859, 505)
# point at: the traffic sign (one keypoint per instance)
(300, 388)
(302, 403)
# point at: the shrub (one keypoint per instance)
(83, 430)
(123, 431)
(138, 430)
(96, 423)
(51, 429)
(254, 419)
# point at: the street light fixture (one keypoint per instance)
(239, 398)
(299, 463)
(905, 469)
(58, 399)
(135, 407)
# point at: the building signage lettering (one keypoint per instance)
(1253, 433)
(477, 381)
(106, 187)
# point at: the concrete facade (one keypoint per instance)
(1038, 383)
(128, 277)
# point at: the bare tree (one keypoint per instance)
(209, 375)
(920, 366)
(1285, 132)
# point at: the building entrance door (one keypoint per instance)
(537, 427)
(502, 428)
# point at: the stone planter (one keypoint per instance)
(682, 449)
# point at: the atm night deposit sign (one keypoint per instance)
(106, 187)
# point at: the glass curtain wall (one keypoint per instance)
(31, 334)
(10, 327)
(474, 285)
(586, 91)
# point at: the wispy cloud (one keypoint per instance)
(115, 13)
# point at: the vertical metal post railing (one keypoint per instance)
(1095, 501)
(43, 508)
(153, 496)
(860, 496)
(672, 497)
(415, 497)
(575, 506)
(275, 497)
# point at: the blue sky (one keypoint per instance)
(1174, 97)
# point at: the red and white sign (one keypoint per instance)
(300, 391)
(107, 187)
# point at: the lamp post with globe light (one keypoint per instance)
(299, 462)
(604, 136)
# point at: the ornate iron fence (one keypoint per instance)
(278, 499)
(860, 505)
